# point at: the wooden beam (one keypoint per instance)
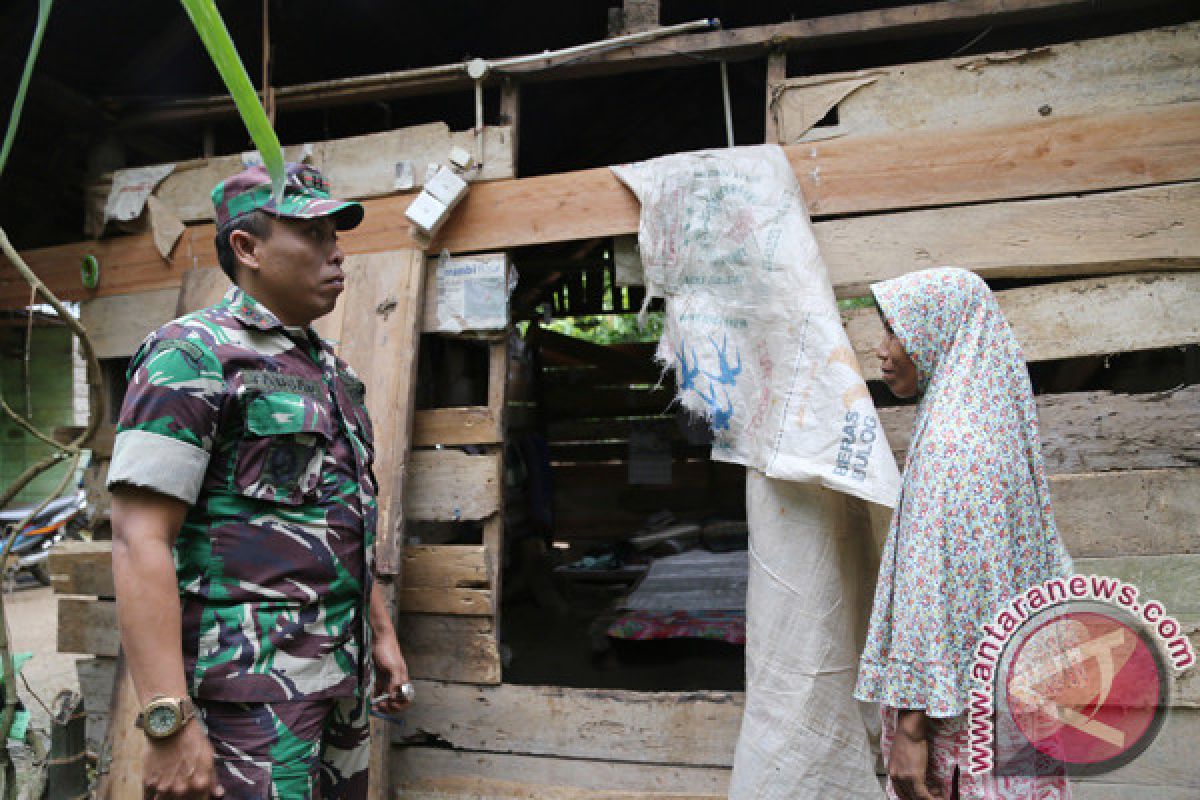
(1134, 513)
(357, 167)
(1172, 580)
(737, 44)
(455, 426)
(449, 485)
(878, 173)
(1123, 231)
(695, 728)
(1130, 70)
(436, 773)
(425, 773)
(446, 566)
(82, 568)
(471, 602)
(87, 626)
(1098, 431)
(1119, 314)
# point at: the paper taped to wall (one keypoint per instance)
(472, 292)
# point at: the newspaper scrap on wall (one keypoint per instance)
(752, 327)
(472, 292)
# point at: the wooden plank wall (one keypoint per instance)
(1123, 467)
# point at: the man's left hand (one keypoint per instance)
(391, 673)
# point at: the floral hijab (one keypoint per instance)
(973, 526)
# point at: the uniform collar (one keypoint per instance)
(252, 313)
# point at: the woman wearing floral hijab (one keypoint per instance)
(972, 529)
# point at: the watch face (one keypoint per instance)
(161, 720)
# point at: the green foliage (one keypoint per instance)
(611, 328)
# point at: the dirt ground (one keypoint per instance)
(32, 624)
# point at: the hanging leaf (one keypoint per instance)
(220, 48)
(19, 101)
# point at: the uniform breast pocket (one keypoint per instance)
(281, 455)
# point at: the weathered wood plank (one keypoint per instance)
(1098, 431)
(427, 773)
(1135, 513)
(454, 426)
(117, 325)
(450, 648)
(446, 566)
(125, 743)
(1170, 761)
(379, 339)
(1123, 231)
(87, 626)
(430, 774)
(694, 728)
(876, 173)
(1123, 313)
(86, 568)
(1172, 580)
(357, 166)
(82, 568)
(450, 485)
(446, 600)
(1115, 73)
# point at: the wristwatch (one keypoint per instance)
(165, 716)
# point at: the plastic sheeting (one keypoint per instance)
(752, 328)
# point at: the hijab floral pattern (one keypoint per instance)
(973, 526)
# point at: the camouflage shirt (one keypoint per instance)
(264, 431)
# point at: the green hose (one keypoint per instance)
(220, 48)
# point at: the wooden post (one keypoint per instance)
(493, 528)
(776, 75)
(510, 114)
(67, 765)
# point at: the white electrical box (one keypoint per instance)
(426, 212)
(447, 187)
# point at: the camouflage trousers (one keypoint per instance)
(290, 751)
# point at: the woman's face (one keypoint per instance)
(899, 371)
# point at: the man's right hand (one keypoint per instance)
(180, 767)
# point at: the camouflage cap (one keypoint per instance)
(305, 196)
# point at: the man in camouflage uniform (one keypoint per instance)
(244, 447)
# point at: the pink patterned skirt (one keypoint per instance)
(949, 755)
